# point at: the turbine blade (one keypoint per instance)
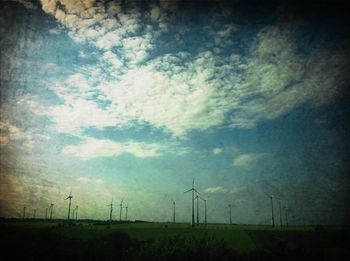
(188, 190)
(197, 191)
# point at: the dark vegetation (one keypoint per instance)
(30, 241)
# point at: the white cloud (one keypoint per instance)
(180, 92)
(215, 190)
(227, 30)
(89, 180)
(12, 133)
(55, 31)
(245, 160)
(99, 181)
(219, 189)
(92, 148)
(217, 151)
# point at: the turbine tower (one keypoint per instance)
(272, 215)
(76, 212)
(126, 213)
(230, 213)
(280, 210)
(51, 209)
(205, 210)
(34, 213)
(24, 212)
(46, 209)
(174, 212)
(197, 197)
(70, 201)
(120, 212)
(193, 190)
(286, 213)
(110, 211)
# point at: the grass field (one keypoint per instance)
(158, 241)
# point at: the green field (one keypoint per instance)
(158, 241)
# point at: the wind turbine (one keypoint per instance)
(34, 213)
(229, 206)
(205, 210)
(193, 190)
(110, 211)
(121, 209)
(197, 197)
(272, 215)
(76, 213)
(70, 201)
(286, 213)
(24, 212)
(280, 210)
(46, 209)
(126, 213)
(174, 212)
(51, 209)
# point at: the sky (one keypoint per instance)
(132, 100)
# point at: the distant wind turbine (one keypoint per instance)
(46, 209)
(24, 212)
(51, 209)
(173, 212)
(121, 209)
(229, 206)
(193, 190)
(286, 212)
(76, 213)
(110, 211)
(272, 215)
(205, 210)
(280, 210)
(70, 201)
(197, 197)
(126, 213)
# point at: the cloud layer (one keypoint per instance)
(91, 148)
(180, 92)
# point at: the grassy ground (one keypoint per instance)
(145, 241)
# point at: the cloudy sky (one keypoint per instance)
(133, 99)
